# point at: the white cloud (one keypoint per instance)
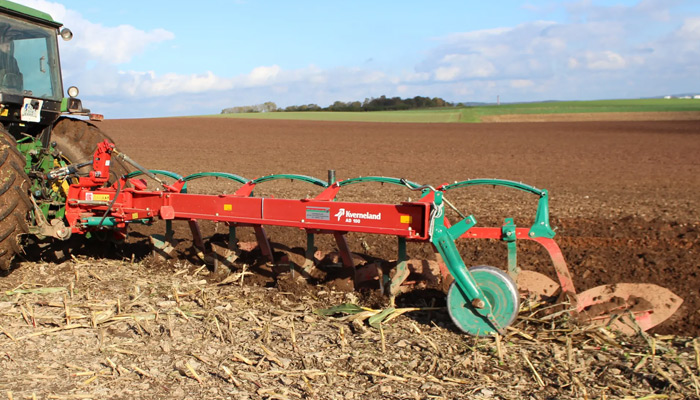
(115, 45)
(500, 53)
(460, 66)
(91, 41)
(691, 28)
(604, 60)
(603, 52)
(169, 84)
(263, 75)
(447, 73)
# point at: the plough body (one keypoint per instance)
(481, 300)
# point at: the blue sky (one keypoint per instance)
(154, 58)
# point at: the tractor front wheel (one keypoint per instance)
(14, 200)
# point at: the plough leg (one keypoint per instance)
(225, 256)
(344, 250)
(197, 237)
(401, 273)
(310, 251)
(164, 245)
(263, 242)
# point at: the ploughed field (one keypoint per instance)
(624, 197)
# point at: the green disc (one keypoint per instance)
(502, 294)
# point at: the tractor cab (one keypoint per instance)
(31, 90)
(29, 59)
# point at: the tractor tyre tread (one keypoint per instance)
(22, 194)
(7, 185)
(13, 199)
(78, 139)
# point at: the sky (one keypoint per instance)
(155, 58)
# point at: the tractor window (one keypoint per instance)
(29, 59)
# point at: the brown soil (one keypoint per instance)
(624, 197)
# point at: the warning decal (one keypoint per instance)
(318, 213)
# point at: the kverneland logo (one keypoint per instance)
(343, 213)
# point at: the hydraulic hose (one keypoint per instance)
(138, 166)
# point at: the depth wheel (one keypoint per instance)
(501, 292)
(14, 200)
(77, 141)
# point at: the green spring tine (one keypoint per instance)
(303, 178)
(379, 179)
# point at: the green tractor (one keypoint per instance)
(42, 146)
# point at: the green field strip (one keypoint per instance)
(476, 113)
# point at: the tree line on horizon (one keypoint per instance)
(381, 103)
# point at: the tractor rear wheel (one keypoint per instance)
(14, 200)
(77, 141)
